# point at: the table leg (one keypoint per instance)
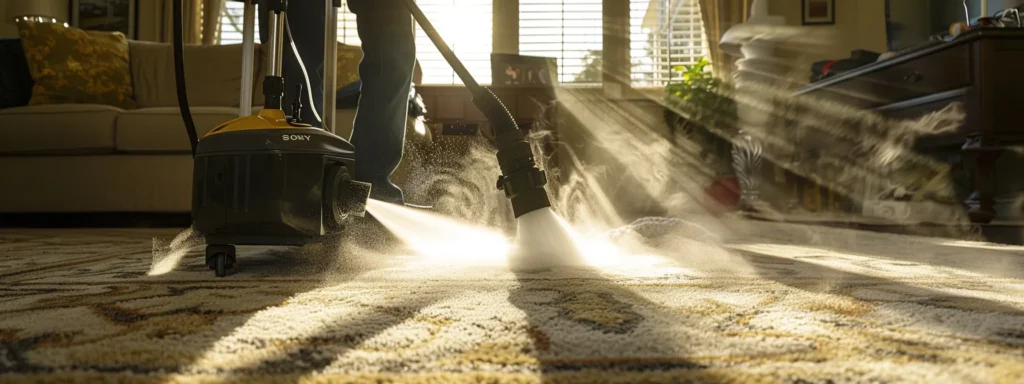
(981, 154)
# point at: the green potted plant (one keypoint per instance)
(700, 109)
(697, 101)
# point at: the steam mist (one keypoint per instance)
(617, 172)
(620, 173)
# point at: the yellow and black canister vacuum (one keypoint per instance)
(269, 180)
(266, 179)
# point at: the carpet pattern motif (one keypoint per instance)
(795, 305)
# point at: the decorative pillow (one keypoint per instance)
(348, 65)
(73, 66)
(349, 57)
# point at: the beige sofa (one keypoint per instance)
(78, 158)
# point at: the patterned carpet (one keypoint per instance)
(786, 304)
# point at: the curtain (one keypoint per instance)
(211, 21)
(719, 16)
(200, 21)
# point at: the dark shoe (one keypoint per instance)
(386, 191)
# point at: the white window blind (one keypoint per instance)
(466, 26)
(569, 30)
(231, 23)
(347, 32)
(664, 34)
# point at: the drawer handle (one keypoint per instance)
(913, 77)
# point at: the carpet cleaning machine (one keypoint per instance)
(270, 180)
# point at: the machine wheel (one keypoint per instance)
(220, 258)
(221, 265)
(334, 217)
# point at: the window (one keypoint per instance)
(232, 17)
(347, 32)
(465, 25)
(664, 34)
(231, 21)
(570, 31)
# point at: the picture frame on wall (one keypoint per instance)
(818, 12)
(105, 15)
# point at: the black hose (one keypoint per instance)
(521, 180)
(179, 77)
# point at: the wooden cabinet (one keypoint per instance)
(981, 69)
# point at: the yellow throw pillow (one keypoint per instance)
(349, 57)
(73, 66)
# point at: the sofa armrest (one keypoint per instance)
(15, 78)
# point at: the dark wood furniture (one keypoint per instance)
(983, 69)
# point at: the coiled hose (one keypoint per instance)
(179, 77)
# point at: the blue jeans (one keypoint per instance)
(306, 19)
(389, 57)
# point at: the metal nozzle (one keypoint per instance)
(521, 180)
(353, 196)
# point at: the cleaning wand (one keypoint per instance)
(521, 180)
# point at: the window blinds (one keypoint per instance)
(569, 30)
(664, 34)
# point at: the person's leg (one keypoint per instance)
(306, 19)
(389, 57)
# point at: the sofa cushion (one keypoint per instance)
(58, 129)
(349, 57)
(213, 74)
(73, 66)
(163, 130)
(15, 78)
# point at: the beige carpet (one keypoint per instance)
(777, 303)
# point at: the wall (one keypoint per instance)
(860, 24)
(7, 29)
(150, 19)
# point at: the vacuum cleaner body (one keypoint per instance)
(268, 179)
(271, 180)
(261, 180)
(258, 181)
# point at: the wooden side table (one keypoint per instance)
(980, 70)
